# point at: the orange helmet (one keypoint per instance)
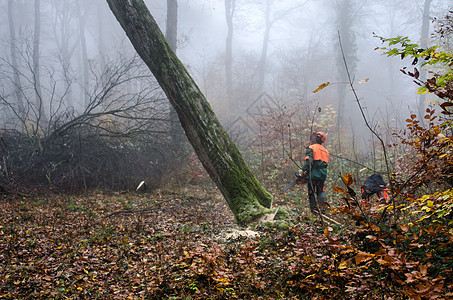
(320, 136)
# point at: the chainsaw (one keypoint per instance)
(301, 178)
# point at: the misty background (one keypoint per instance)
(79, 109)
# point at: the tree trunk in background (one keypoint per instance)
(101, 33)
(264, 48)
(17, 83)
(344, 21)
(62, 15)
(230, 6)
(171, 33)
(178, 142)
(220, 157)
(42, 118)
(424, 36)
(84, 58)
(269, 22)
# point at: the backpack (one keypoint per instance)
(374, 185)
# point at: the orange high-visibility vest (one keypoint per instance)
(319, 153)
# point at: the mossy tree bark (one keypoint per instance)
(245, 196)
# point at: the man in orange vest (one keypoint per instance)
(315, 169)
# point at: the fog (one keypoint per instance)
(302, 53)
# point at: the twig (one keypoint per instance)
(127, 211)
(352, 193)
(332, 220)
(351, 84)
(355, 162)
(317, 108)
(291, 158)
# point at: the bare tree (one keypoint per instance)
(83, 47)
(16, 81)
(346, 12)
(220, 157)
(269, 21)
(121, 127)
(36, 56)
(101, 34)
(178, 142)
(171, 33)
(65, 28)
(230, 7)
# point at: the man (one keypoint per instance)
(315, 168)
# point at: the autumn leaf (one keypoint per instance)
(374, 227)
(343, 265)
(404, 228)
(423, 269)
(338, 190)
(363, 257)
(327, 231)
(364, 80)
(347, 179)
(321, 87)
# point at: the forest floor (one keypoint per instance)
(167, 246)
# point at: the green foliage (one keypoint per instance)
(408, 239)
(438, 62)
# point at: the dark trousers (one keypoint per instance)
(316, 195)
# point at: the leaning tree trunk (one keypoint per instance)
(247, 199)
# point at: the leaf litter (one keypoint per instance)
(165, 245)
